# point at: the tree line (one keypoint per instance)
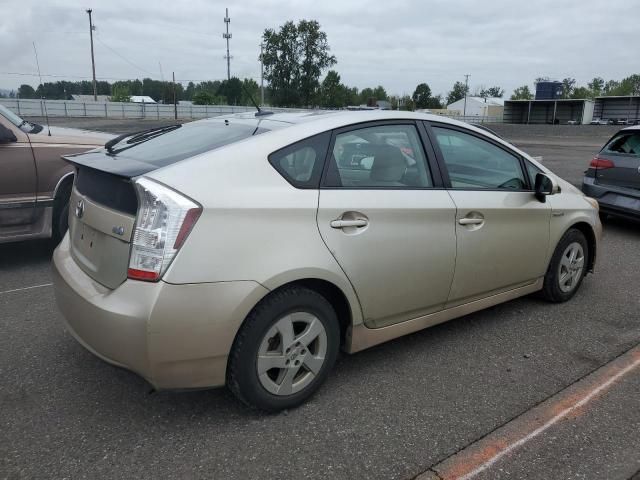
(597, 87)
(231, 92)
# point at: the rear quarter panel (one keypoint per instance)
(254, 226)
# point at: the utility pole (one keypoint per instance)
(164, 86)
(466, 89)
(261, 75)
(175, 102)
(227, 36)
(93, 61)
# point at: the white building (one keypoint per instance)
(89, 98)
(478, 107)
(142, 99)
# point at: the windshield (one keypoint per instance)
(9, 115)
(185, 141)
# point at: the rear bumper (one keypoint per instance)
(175, 336)
(615, 200)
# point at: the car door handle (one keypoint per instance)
(471, 221)
(348, 223)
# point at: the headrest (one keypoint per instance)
(389, 164)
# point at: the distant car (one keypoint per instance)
(572, 122)
(248, 251)
(621, 121)
(613, 177)
(35, 182)
(600, 121)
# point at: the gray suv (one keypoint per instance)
(613, 177)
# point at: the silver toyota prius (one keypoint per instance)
(248, 250)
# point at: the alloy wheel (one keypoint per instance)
(571, 267)
(292, 353)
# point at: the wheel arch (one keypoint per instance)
(334, 296)
(345, 303)
(66, 181)
(590, 235)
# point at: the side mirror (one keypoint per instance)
(545, 185)
(6, 135)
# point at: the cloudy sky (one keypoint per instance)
(397, 44)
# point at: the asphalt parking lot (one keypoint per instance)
(417, 406)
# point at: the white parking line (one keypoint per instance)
(27, 288)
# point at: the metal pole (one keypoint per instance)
(261, 75)
(227, 36)
(175, 103)
(93, 61)
(466, 89)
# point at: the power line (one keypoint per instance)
(122, 56)
(80, 77)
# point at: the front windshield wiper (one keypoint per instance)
(138, 137)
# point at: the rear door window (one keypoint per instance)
(384, 156)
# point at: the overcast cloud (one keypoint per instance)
(397, 44)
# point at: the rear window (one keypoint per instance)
(187, 141)
(628, 143)
(301, 163)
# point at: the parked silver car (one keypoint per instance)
(248, 250)
(613, 176)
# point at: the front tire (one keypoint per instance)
(567, 268)
(284, 350)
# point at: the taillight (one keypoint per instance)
(163, 223)
(601, 163)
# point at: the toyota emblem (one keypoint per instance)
(80, 209)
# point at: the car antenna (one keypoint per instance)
(46, 114)
(259, 113)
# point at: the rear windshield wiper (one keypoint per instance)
(138, 137)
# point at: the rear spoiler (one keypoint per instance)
(99, 159)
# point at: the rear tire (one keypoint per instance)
(61, 214)
(284, 350)
(567, 268)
